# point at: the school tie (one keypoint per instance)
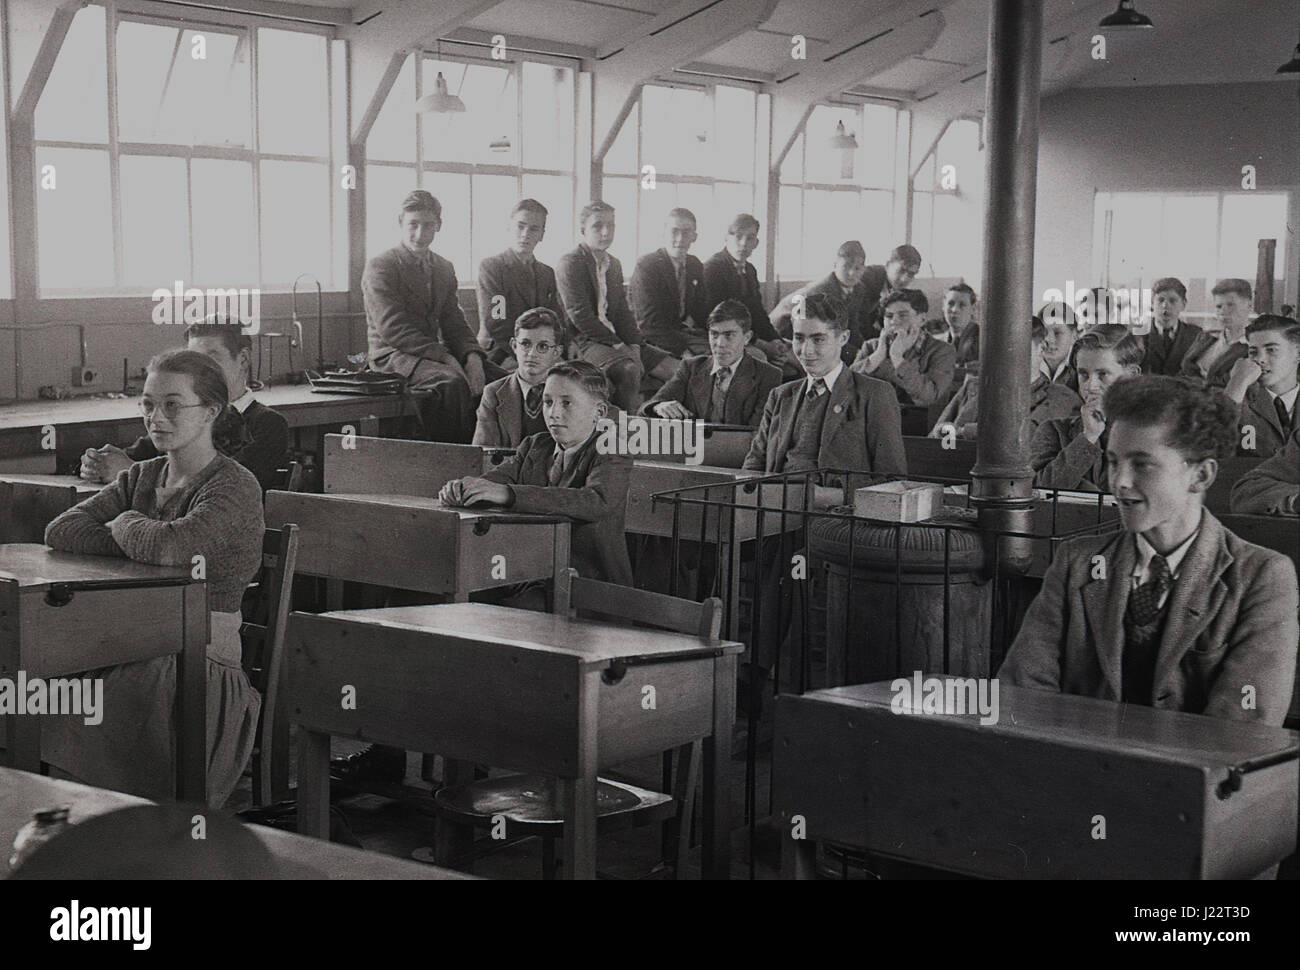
(681, 288)
(817, 390)
(718, 401)
(1285, 419)
(557, 468)
(1144, 602)
(533, 401)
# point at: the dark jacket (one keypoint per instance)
(1273, 486)
(853, 311)
(723, 281)
(968, 345)
(925, 375)
(862, 430)
(1259, 412)
(500, 419)
(592, 492)
(1063, 458)
(414, 310)
(523, 287)
(575, 275)
(692, 387)
(1231, 623)
(258, 439)
(655, 303)
(1218, 376)
(1164, 353)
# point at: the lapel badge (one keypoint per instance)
(838, 408)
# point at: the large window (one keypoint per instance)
(947, 205)
(515, 139)
(701, 145)
(1199, 237)
(826, 199)
(203, 168)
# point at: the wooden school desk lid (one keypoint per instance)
(36, 564)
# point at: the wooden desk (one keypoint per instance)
(82, 423)
(724, 445)
(26, 794)
(414, 542)
(62, 614)
(1020, 798)
(392, 466)
(513, 689)
(28, 503)
(926, 457)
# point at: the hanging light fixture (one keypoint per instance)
(1125, 17)
(1292, 66)
(500, 143)
(442, 101)
(844, 142)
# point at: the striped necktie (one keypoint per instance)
(557, 467)
(1283, 417)
(1144, 602)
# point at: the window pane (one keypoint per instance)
(733, 150)
(876, 225)
(225, 235)
(491, 115)
(293, 93)
(556, 193)
(676, 130)
(386, 186)
(1189, 251)
(622, 194)
(875, 158)
(824, 161)
(295, 221)
(792, 166)
(494, 195)
(1249, 217)
(74, 104)
(922, 227)
(1134, 236)
(187, 88)
(789, 237)
(80, 204)
(958, 240)
(452, 242)
(621, 157)
(830, 218)
(548, 116)
(392, 136)
(655, 204)
(155, 221)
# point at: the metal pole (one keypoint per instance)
(1002, 482)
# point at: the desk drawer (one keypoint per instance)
(683, 709)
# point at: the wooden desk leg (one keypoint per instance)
(798, 857)
(560, 570)
(313, 783)
(731, 583)
(192, 697)
(715, 856)
(578, 794)
(280, 744)
(23, 734)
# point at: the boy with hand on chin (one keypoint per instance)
(1266, 383)
(1070, 453)
(561, 472)
(919, 366)
(1185, 616)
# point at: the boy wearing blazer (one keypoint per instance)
(729, 275)
(1181, 614)
(511, 409)
(1266, 384)
(1213, 357)
(514, 281)
(1171, 336)
(667, 291)
(727, 387)
(1273, 486)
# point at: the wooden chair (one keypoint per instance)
(263, 637)
(293, 477)
(527, 801)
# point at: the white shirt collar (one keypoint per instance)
(524, 385)
(1145, 552)
(730, 368)
(830, 378)
(1288, 398)
(1052, 375)
(242, 402)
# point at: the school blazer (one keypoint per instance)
(575, 276)
(854, 311)
(404, 312)
(1231, 623)
(1047, 401)
(862, 431)
(500, 419)
(655, 304)
(692, 386)
(722, 281)
(1063, 458)
(1273, 486)
(1218, 376)
(592, 492)
(1164, 354)
(925, 375)
(1258, 411)
(523, 287)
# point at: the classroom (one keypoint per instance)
(650, 440)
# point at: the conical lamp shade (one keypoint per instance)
(1292, 66)
(1126, 17)
(441, 101)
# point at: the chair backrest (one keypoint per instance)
(294, 478)
(641, 606)
(263, 638)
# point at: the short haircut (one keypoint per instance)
(819, 306)
(1037, 330)
(913, 298)
(1057, 312)
(585, 374)
(538, 317)
(1199, 423)
(1116, 338)
(963, 288)
(1168, 284)
(230, 335)
(207, 378)
(590, 209)
(731, 310)
(851, 249)
(742, 222)
(1272, 321)
(1233, 285)
(530, 205)
(907, 255)
(421, 201)
(680, 213)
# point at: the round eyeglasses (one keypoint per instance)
(170, 409)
